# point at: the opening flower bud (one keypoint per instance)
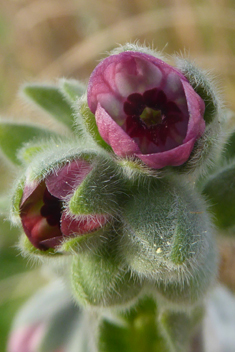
(145, 108)
(45, 220)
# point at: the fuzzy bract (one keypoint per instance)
(145, 108)
(44, 216)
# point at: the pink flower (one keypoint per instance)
(145, 108)
(26, 338)
(45, 221)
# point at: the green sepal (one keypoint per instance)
(17, 193)
(56, 154)
(102, 191)
(27, 248)
(205, 152)
(50, 99)
(203, 86)
(188, 290)
(219, 190)
(78, 244)
(72, 89)
(137, 331)
(207, 148)
(86, 124)
(100, 278)
(136, 172)
(168, 237)
(180, 327)
(139, 48)
(14, 136)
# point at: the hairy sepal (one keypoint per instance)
(103, 191)
(208, 146)
(17, 193)
(167, 238)
(203, 86)
(29, 251)
(86, 124)
(99, 277)
(138, 48)
(55, 154)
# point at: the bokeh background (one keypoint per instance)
(41, 40)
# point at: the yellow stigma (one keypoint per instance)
(151, 117)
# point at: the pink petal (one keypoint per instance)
(82, 224)
(196, 107)
(29, 189)
(52, 242)
(173, 157)
(114, 135)
(26, 339)
(63, 181)
(121, 74)
(34, 224)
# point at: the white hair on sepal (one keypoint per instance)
(136, 46)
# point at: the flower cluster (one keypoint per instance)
(98, 197)
(117, 197)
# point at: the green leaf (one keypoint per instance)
(5, 204)
(51, 99)
(8, 233)
(28, 249)
(14, 135)
(72, 89)
(220, 192)
(229, 147)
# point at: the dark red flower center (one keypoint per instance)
(152, 121)
(52, 209)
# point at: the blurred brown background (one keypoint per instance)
(46, 39)
(41, 40)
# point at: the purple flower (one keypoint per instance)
(45, 220)
(145, 108)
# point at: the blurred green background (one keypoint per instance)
(41, 40)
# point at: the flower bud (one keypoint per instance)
(101, 278)
(43, 214)
(168, 240)
(145, 108)
(47, 322)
